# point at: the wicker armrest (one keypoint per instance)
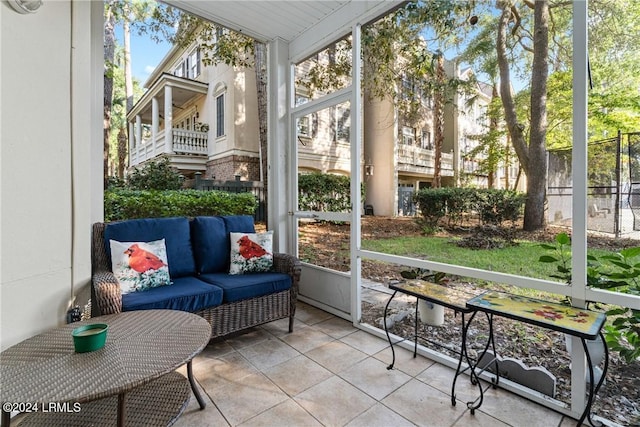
(107, 292)
(289, 264)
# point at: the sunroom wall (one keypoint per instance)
(51, 163)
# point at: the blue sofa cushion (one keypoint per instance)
(239, 224)
(175, 231)
(186, 294)
(210, 244)
(244, 286)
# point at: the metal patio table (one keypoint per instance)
(582, 323)
(130, 381)
(456, 300)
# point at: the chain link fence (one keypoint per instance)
(613, 193)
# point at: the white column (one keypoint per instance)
(132, 136)
(281, 188)
(356, 173)
(132, 144)
(579, 198)
(155, 119)
(168, 119)
(138, 131)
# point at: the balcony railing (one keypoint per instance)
(182, 142)
(418, 159)
(189, 141)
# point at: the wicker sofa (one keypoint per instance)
(197, 250)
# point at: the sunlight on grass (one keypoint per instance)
(520, 260)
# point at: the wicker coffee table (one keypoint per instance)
(131, 381)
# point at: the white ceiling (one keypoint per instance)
(310, 21)
(263, 20)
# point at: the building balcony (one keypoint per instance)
(181, 142)
(422, 160)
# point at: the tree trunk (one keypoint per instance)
(493, 151)
(507, 160)
(438, 123)
(109, 50)
(128, 78)
(122, 151)
(537, 176)
(532, 156)
(128, 90)
(260, 65)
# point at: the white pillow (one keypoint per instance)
(139, 266)
(251, 252)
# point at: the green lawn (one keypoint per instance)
(521, 260)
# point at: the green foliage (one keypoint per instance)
(115, 182)
(619, 271)
(155, 175)
(323, 192)
(498, 206)
(432, 204)
(623, 335)
(494, 206)
(459, 203)
(120, 204)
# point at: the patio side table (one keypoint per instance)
(581, 323)
(455, 299)
(130, 381)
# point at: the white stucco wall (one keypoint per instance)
(380, 130)
(50, 183)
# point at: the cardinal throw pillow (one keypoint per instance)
(139, 266)
(251, 252)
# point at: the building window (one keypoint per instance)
(408, 135)
(481, 119)
(179, 70)
(303, 126)
(220, 115)
(426, 140)
(343, 123)
(408, 88)
(194, 64)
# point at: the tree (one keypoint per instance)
(438, 120)
(109, 52)
(532, 154)
(129, 13)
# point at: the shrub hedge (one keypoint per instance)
(491, 205)
(120, 204)
(324, 192)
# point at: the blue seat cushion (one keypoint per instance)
(185, 294)
(211, 245)
(243, 286)
(175, 232)
(239, 224)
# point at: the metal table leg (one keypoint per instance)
(386, 330)
(196, 393)
(472, 365)
(593, 390)
(122, 410)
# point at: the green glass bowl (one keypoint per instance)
(89, 337)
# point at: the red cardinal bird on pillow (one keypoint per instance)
(141, 260)
(250, 249)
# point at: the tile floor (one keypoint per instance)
(328, 373)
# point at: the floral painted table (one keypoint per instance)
(581, 323)
(456, 300)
